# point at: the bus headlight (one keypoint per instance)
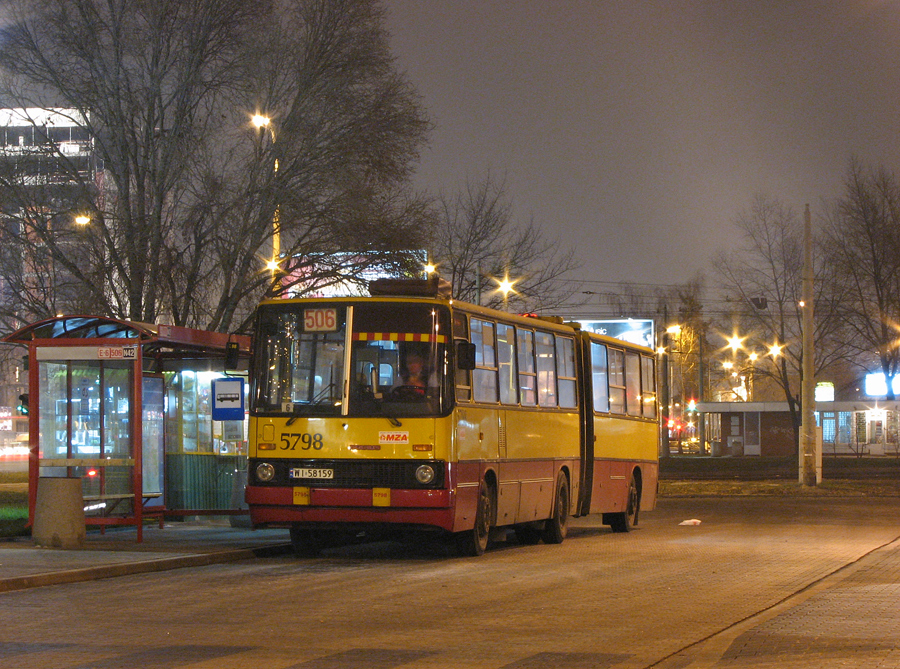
(265, 472)
(425, 474)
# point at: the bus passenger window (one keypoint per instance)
(463, 385)
(505, 350)
(546, 369)
(600, 377)
(648, 384)
(565, 365)
(527, 376)
(616, 381)
(633, 383)
(484, 376)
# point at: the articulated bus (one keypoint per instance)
(422, 412)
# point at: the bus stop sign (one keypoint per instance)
(228, 399)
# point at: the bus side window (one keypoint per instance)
(565, 365)
(633, 383)
(600, 377)
(546, 369)
(463, 376)
(616, 381)
(484, 377)
(506, 347)
(527, 376)
(648, 385)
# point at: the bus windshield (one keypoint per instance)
(396, 364)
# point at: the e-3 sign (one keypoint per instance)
(228, 399)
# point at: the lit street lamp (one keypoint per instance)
(505, 286)
(263, 123)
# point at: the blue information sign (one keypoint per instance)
(228, 399)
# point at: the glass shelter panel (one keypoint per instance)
(85, 414)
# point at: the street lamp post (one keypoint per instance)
(263, 123)
(808, 443)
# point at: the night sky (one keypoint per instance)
(637, 131)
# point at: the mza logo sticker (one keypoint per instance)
(393, 437)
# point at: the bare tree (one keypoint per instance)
(195, 196)
(477, 245)
(762, 281)
(863, 245)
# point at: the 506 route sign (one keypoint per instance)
(323, 319)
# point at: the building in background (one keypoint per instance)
(47, 164)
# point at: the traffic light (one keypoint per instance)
(22, 408)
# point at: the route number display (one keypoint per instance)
(320, 320)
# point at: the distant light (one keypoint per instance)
(260, 121)
(824, 392)
(82, 219)
(735, 342)
(505, 286)
(876, 385)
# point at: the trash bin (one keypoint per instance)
(59, 513)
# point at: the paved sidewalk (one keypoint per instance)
(117, 553)
(848, 619)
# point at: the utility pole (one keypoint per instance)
(808, 459)
(663, 372)
(701, 417)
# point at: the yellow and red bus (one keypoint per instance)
(521, 423)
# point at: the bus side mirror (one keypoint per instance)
(465, 355)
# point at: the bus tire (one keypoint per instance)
(556, 527)
(474, 542)
(626, 520)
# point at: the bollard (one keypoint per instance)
(59, 514)
(238, 486)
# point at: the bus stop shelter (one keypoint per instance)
(126, 408)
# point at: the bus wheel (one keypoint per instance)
(474, 542)
(625, 521)
(556, 527)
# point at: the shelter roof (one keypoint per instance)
(172, 337)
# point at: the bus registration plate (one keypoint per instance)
(309, 473)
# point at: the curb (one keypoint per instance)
(139, 567)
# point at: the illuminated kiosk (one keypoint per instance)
(126, 407)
